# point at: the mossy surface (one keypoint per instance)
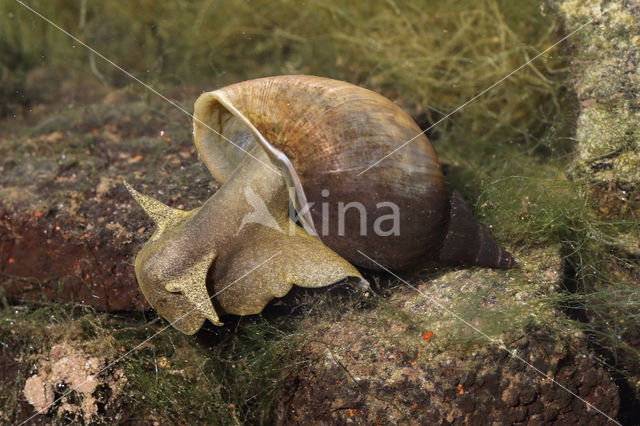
(455, 345)
(231, 375)
(605, 62)
(605, 67)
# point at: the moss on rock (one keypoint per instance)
(471, 346)
(606, 69)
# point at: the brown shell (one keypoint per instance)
(331, 131)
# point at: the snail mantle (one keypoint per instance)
(301, 141)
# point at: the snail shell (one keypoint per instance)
(317, 137)
(322, 133)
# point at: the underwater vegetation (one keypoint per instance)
(515, 153)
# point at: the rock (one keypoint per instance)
(605, 69)
(510, 396)
(605, 63)
(446, 379)
(68, 228)
(74, 385)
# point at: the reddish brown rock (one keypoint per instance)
(69, 230)
(340, 385)
(376, 367)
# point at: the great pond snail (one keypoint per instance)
(302, 141)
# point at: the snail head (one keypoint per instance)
(234, 254)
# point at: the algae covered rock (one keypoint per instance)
(605, 67)
(461, 346)
(605, 63)
(68, 227)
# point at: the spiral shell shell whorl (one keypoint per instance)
(329, 131)
(310, 140)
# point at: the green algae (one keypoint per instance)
(433, 56)
(228, 377)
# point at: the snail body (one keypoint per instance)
(304, 141)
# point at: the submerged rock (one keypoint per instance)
(468, 347)
(68, 227)
(74, 385)
(605, 63)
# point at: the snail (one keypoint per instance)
(292, 147)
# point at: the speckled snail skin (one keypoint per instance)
(301, 140)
